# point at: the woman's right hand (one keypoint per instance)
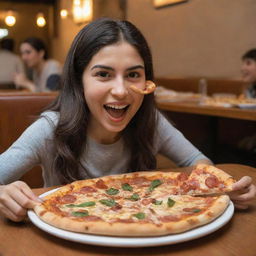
(15, 199)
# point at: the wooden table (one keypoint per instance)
(236, 238)
(195, 108)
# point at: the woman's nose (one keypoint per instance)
(119, 88)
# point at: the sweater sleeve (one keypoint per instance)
(27, 151)
(171, 143)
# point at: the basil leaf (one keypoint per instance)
(80, 214)
(140, 215)
(170, 202)
(157, 202)
(134, 197)
(127, 187)
(112, 191)
(85, 204)
(71, 205)
(154, 184)
(108, 202)
(196, 210)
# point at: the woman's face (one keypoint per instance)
(248, 70)
(30, 55)
(106, 82)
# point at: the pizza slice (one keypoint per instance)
(207, 180)
(150, 87)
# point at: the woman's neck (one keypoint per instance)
(103, 137)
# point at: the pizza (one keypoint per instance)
(149, 203)
(150, 87)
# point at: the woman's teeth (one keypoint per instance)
(116, 111)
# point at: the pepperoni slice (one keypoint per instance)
(183, 176)
(174, 182)
(67, 199)
(212, 182)
(87, 189)
(101, 184)
(146, 201)
(140, 181)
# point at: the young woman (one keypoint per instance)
(46, 72)
(248, 70)
(98, 125)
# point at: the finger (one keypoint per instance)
(26, 190)
(241, 206)
(23, 197)
(242, 183)
(12, 209)
(5, 212)
(234, 194)
(246, 196)
(242, 202)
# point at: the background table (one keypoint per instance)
(216, 131)
(236, 238)
(195, 108)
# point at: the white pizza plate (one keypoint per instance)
(132, 241)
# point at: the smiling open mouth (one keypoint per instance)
(116, 111)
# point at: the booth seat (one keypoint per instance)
(192, 85)
(17, 112)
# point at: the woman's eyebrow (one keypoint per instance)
(136, 67)
(109, 68)
(102, 66)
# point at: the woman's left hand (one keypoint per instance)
(243, 192)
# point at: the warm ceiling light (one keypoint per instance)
(64, 13)
(40, 20)
(82, 11)
(10, 19)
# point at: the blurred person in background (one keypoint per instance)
(248, 70)
(45, 72)
(10, 63)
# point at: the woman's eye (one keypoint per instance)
(103, 74)
(133, 75)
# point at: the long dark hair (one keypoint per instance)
(71, 131)
(250, 54)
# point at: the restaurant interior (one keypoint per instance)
(196, 46)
